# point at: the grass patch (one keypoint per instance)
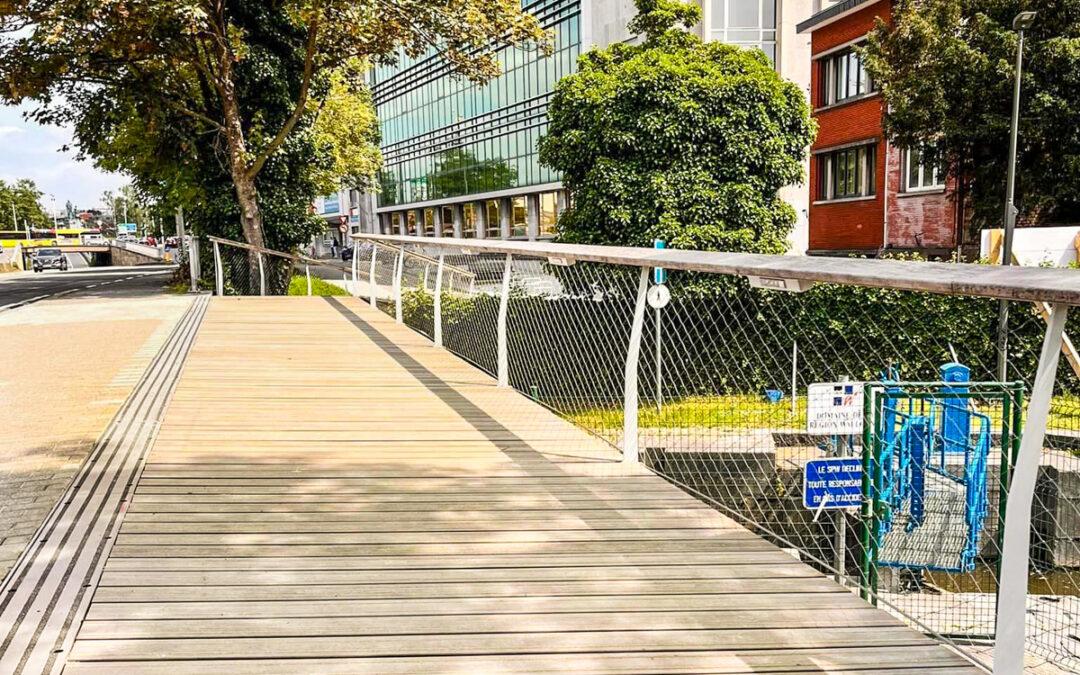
(754, 412)
(298, 286)
(721, 412)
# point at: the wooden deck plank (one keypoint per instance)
(382, 506)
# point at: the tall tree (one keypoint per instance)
(679, 139)
(946, 71)
(20, 206)
(190, 58)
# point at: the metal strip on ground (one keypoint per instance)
(47, 588)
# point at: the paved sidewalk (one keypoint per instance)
(66, 365)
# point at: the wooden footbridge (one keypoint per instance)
(321, 490)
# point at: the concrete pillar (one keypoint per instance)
(532, 216)
(421, 229)
(438, 221)
(458, 224)
(562, 200)
(505, 214)
(480, 214)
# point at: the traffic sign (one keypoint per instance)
(834, 408)
(834, 483)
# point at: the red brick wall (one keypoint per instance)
(858, 224)
(918, 219)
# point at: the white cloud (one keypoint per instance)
(33, 151)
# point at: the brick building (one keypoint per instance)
(866, 195)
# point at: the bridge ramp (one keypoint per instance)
(329, 493)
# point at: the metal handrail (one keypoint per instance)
(1029, 284)
(332, 262)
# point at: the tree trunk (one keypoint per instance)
(247, 196)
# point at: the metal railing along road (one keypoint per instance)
(742, 378)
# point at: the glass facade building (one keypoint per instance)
(461, 159)
(444, 136)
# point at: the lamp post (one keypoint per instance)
(1021, 23)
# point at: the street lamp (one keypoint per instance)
(1022, 22)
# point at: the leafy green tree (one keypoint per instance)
(679, 139)
(20, 206)
(249, 78)
(946, 71)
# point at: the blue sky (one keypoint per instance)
(29, 150)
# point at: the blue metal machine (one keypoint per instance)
(933, 453)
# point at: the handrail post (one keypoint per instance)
(219, 275)
(262, 274)
(307, 273)
(398, 271)
(193, 264)
(630, 381)
(503, 357)
(1016, 543)
(438, 301)
(371, 274)
(355, 268)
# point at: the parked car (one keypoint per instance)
(49, 259)
(93, 239)
(347, 254)
(127, 237)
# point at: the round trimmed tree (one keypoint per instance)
(679, 139)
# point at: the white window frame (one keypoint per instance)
(867, 175)
(938, 178)
(830, 75)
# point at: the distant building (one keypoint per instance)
(461, 158)
(866, 195)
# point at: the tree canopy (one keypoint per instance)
(20, 206)
(263, 97)
(946, 71)
(678, 139)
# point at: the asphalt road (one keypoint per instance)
(21, 289)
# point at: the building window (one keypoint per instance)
(843, 77)
(468, 221)
(410, 219)
(548, 214)
(396, 226)
(847, 173)
(448, 221)
(748, 23)
(919, 174)
(429, 222)
(519, 225)
(494, 229)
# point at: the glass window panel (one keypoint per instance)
(744, 13)
(548, 213)
(518, 223)
(468, 221)
(493, 229)
(768, 14)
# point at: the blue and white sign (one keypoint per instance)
(834, 408)
(659, 274)
(834, 483)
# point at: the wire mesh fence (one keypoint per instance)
(739, 390)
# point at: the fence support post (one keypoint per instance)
(355, 268)
(630, 381)
(398, 270)
(262, 274)
(438, 301)
(193, 264)
(1016, 544)
(307, 273)
(503, 360)
(219, 275)
(371, 274)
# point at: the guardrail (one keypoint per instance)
(717, 381)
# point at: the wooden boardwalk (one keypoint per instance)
(329, 493)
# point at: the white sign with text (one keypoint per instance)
(834, 408)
